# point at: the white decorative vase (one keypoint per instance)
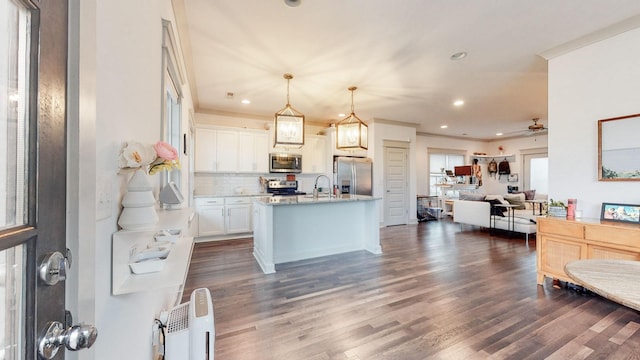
(139, 204)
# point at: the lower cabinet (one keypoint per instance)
(221, 216)
(238, 216)
(560, 241)
(210, 216)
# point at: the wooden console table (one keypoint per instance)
(616, 280)
(560, 241)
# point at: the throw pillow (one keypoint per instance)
(516, 199)
(528, 194)
(471, 197)
(496, 210)
(496, 197)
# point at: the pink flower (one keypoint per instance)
(151, 158)
(165, 151)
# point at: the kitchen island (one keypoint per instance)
(292, 228)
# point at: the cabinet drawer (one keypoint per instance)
(618, 236)
(237, 200)
(565, 228)
(209, 201)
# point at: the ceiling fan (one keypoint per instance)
(536, 128)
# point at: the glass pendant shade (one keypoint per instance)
(289, 123)
(351, 132)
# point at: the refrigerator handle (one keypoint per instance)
(354, 178)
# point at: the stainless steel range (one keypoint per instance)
(283, 187)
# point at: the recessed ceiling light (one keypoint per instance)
(444, 126)
(458, 103)
(342, 115)
(498, 134)
(246, 101)
(292, 3)
(459, 55)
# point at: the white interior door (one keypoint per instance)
(396, 204)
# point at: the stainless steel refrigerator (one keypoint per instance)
(354, 175)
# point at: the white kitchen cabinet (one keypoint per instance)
(221, 216)
(211, 216)
(238, 217)
(227, 150)
(205, 147)
(253, 152)
(314, 154)
(216, 150)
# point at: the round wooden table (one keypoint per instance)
(616, 280)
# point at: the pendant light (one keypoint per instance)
(351, 132)
(289, 123)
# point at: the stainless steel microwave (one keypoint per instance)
(285, 163)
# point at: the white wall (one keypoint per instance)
(122, 65)
(595, 82)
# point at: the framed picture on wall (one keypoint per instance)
(620, 212)
(619, 149)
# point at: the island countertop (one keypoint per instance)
(309, 199)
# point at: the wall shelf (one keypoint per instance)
(124, 244)
(172, 275)
(497, 158)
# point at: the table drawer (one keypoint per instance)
(565, 228)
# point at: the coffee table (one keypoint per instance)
(616, 280)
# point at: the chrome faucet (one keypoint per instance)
(315, 187)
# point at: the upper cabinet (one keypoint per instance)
(253, 152)
(205, 141)
(314, 154)
(231, 151)
(228, 150)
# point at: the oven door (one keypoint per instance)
(285, 163)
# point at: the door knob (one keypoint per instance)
(74, 338)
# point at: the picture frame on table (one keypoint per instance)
(627, 213)
(619, 149)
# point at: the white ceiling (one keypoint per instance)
(397, 52)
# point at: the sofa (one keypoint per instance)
(476, 210)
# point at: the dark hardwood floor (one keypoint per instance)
(434, 293)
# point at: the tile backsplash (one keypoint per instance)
(230, 184)
(226, 184)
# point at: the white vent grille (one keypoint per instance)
(178, 319)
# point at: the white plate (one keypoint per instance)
(171, 235)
